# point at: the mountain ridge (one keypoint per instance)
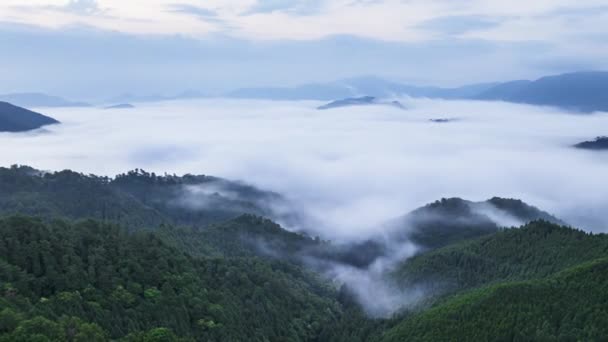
(17, 119)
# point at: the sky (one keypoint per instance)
(100, 48)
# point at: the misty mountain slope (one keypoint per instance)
(17, 119)
(137, 199)
(68, 194)
(451, 220)
(584, 91)
(40, 100)
(503, 91)
(470, 282)
(254, 236)
(199, 200)
(120, 106)
(117, 284)
(570, 305)
(536, 250)
(128, 98)
(360, 101)
(519, 210)
(358, 86)
(600, 143)
(244, 236)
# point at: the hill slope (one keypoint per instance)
(136, 199)
(569, 306)
(40, 100)
(584, 91)
(477, 289)
(193, 262)
(536, 250)
(17, 119)
(453, 219)
(600, 143)
(115, 284)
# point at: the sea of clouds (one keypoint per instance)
(350, 168)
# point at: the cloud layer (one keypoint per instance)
(350, 169)
(394, 20)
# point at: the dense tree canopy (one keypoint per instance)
(88, 258)
(123, 284)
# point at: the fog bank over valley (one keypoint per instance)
(348, 169)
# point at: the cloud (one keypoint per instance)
(200, 12)
(392, 20)
(348, 169)
(457, 25)
(297, 7)
(86, 7)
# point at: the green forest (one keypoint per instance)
(138, 258)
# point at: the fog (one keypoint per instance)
(348, 169)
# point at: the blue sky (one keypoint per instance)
(88, 48)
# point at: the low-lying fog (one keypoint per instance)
(350, 168)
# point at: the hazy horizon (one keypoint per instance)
(88, 49)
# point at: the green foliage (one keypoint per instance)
(452, 220)
(72, 195)
(136, 200)
(569, 306)
(131, 283)
(182, 271)
(536, 250)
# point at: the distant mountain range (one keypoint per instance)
(582, 91)
(130, 98)
(357, 87)
(17, 119)
(40, 100)
(579, 91)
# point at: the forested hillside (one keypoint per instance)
(17, 119)
(137, 258)
(536, 250)
(112, 284)
(569, 306)
(136, 199)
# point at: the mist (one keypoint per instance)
(348, 169)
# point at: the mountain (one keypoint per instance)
(569, 305)
(91, 281)
(584, 91)
(136, 199)
(143, 257)
(552, 275)
(452, 220)
(581, 91)
(503, 91)
(356, 87)
(121, 106)
(40, 100)
(130, 98)
(17, 119)
(442, 120)
(535, 250)
(600, 143)
(360, 101)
